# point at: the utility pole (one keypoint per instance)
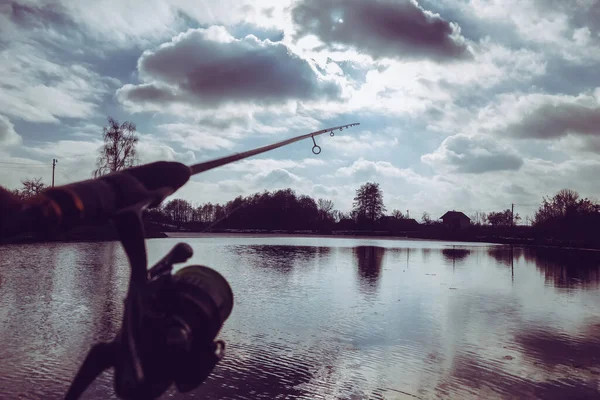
(54, 161)
(407, 215)
(512, 213)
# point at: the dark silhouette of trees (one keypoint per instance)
(564, 219)
(30, 188)
(479, 218)
(566, 203)
(398, 214)
(502, 218)
(326, 211)
(179, 211)
(567, 216)
(119, 150)
(368, 204)
(425, 218)
(279, 210)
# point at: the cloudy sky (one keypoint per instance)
(463, 104)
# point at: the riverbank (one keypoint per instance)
(465, 236)
(99, 233)
(472, 235)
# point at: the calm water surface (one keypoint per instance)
(326, 318)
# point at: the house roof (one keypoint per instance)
(454, 214)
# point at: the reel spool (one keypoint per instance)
(170, 324)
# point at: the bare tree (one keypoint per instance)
(325, 209)
(479, 218)
(31, 187)
(119, 150)
(425, 218)
(398, 214)
(179, 210)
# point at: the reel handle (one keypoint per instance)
(169, 325)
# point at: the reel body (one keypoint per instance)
(170, 322)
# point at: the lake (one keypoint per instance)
(326, 318)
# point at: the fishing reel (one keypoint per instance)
(170, 323)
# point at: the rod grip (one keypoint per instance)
(96, 200)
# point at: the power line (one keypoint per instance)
(21, 168)
(24, 166)
(22, 163)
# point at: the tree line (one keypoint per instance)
(278, 210)
(562, 215)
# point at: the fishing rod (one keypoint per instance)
(94, 201)
(170, 320)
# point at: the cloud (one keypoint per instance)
(277, 178)
(269, 164)
(47, 22)
(244, 29)
(365, 142)
(193, 137)
(542, 116)
(514, 189)
(577, 145)
(552, 120)
(509, 77)
(324, 191)
(144, 22)
(579, 16)
(152, 149)
(34, 14)
(473, 155)
(559, 27)
(414, 87)
(77, 158)
(68, 149)
(37, 89)
(8, 136)
(531, 21)
(365, 169)
(209, 68)
(380, 28)
(222, 121)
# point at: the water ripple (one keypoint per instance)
(325, 318)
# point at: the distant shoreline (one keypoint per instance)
(379, 235)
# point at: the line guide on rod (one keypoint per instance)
(205, 166)
(97, 200)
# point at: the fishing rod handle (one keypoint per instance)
(95, 200)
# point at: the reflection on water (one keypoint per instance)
(369, 260)
(280, 258)
(567, 268)
(455, 255)
(327, 318)
(503, 255)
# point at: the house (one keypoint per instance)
(455, 219)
